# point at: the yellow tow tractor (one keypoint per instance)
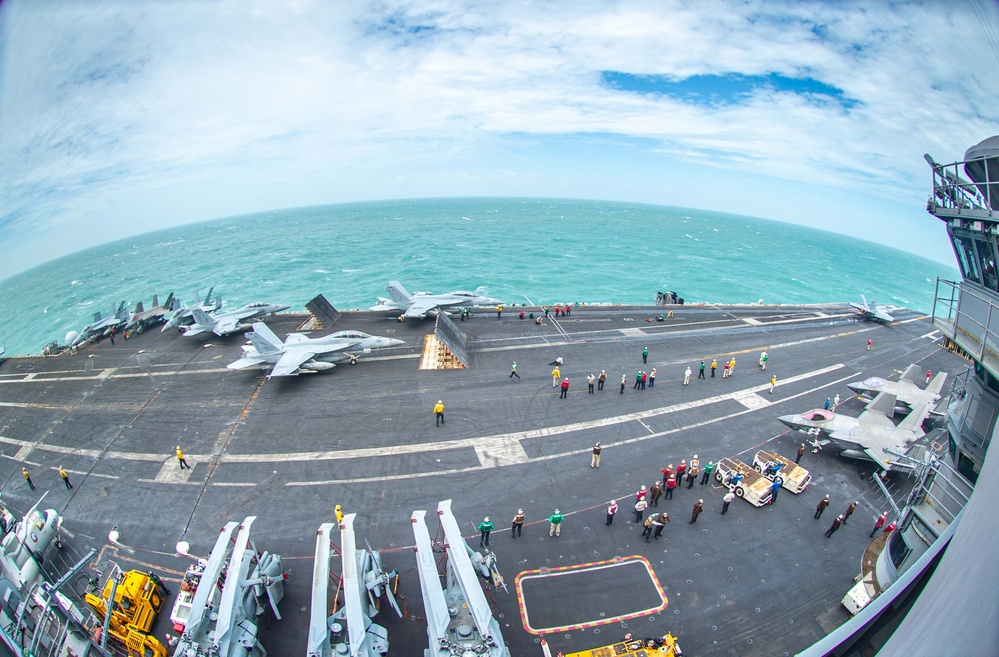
(663, 646)
(138, 596)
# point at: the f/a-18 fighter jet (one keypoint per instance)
(300, 354)
(863, 437)
(142, 319)
(877, 312)
(181, 315)
(229, 322)
(906, 390)
(421, 304)
(101, 326)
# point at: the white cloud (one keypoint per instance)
(178, 112)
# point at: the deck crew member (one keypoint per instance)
(517, 527)
(595, 460)
(485, 528)
(181, 460)
(555, 523)
(821, 506)
(439, 412)
(698, 507)
(65, 477)
(27, 478)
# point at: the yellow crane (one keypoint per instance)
(136, 597)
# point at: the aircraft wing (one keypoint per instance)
(290, 361)
(880, 456)
(248, 363)
(227, 325)
(420, 307)
(914, 420)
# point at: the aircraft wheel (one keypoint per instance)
(719, 477)
(739, 491)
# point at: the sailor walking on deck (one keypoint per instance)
(821, 506)
(513, 370)
(556, 375)
(601, 379)
(595, 460)
(763, 360)
(698, 508)
(837, 521)
(773, 382)
(181, 460)
(27, 478)
(555, 523)
(565, 389)
(65, 477)
(686, 376)
(485, 528)
(439, 412)
(645, 355)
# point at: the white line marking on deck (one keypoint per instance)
(171, 473)
(752, 401)
(501, 452)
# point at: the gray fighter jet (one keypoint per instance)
(877, 312)
(421, 304)
(142, 319)
(906, 390)
(300, 354)
(863, 437)
(229, 322)
(100, 326)
(181, 315)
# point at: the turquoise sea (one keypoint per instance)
(519, 250)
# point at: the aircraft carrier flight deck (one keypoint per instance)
(756, 581)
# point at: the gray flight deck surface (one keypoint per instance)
(753, 582)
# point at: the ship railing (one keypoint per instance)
(955, 194)
(969, 316)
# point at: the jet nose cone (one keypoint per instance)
(392, 342)
(280, 308)
(788, 420)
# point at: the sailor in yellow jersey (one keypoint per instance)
(439, 412)
(181, 460)
(339, 514)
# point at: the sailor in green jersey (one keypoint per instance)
(555, 523)
(485, 527)
(708, 469)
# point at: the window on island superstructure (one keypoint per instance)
(964, 248)
(987, 263)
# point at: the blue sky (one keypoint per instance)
(118, 118)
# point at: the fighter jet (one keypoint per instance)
(421, 304)
(227, 323)
(181, 315)
(100, 326)
(863, 437)
(875, 312)
(142, 319)
(300, 354)
(906, 390)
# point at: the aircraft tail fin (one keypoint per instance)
(122, 313)
(264, 339)
(200, 316)
(884, 404)
(910, 374)
(864, 299)
(398, 292)
(169, 302)
(97, 316)
(937, 384)
(140, 309)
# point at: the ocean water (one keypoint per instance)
(520, 250)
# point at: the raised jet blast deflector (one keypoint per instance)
(318, 629)
(464, 572)
(434, 602)
(238, 568)
(213, 569)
